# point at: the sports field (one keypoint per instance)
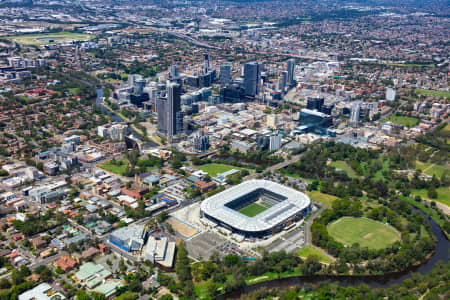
(214, 169)
(403, 120)
(48, 38)
(253, 209)
(433, 93)
(365, 232)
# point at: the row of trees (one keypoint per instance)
(261, 158)
(433, 285)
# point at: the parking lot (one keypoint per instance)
(203, 245)
(290, 242)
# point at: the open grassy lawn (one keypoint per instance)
(308, 250)
(293, 175)
(446, 129)
(320, 197)
(272, 275)
(113, 168)
(213, 169)
(118, 169)
(48, 38)
(403, 120)
(413, 65)
(443, 195)
(431, 169)
(74, 91)
(433, 93)
(366, 232)
(342, 165)
(252, 210)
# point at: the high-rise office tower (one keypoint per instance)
(206, 56)
(225, 74)
(161, 109)
(137, 83)
(354, 114)
(170, 116)
(290, 71)
(173, 72)
(274, 142)
(175, 115)
(315, 103)
(282, 81)
(252, 74)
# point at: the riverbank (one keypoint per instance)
(386, 280)
(155, 139)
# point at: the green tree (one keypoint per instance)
(432, 192)
(311, 265)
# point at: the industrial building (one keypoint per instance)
(282, 207)
(160, 251)
(130, 238)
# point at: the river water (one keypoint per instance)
(440, 254)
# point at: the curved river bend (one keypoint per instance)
(376, 281)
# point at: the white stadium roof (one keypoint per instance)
(295, 202)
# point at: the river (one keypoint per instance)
(375, 281)
(99, 103)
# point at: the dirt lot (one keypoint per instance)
(181, 228)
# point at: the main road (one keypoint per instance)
(275, 167)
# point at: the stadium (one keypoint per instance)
(256, 208)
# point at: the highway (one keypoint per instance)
(206, 45)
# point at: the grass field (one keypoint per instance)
(213, 169)
(433, 93)
(308, 250)
(118, 169)
(252, 210)
(366, 232)
(413, 65)
(443, 195)
(320, 197)
(48, 38)
(403, 120)
(431, 169)
(446, 129)
(342, 165)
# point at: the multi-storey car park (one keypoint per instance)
(256, 208)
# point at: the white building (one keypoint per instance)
(118, 131)
(41, 292)
(102, 131)
(390, 94)
(271, 121)
(160, 251)
(274, 142)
